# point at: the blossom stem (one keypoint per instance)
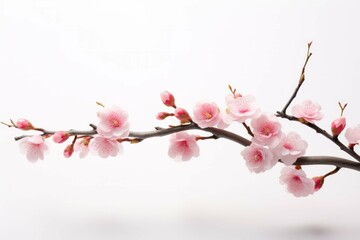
(332, 172)
(248, 129)
(205, 138)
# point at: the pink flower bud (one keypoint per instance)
(60, 137)
(337, 126)
(168, 99)
(69, 151)
(319, 181)
(24, 124)
(182, 115)
(163, 115)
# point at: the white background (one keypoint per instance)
(57, 58)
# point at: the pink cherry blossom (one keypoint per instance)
(307, 110)
(69, 150)
(258, 158)
(338, 125)
(168, 99)
(240, 108)
(105, 147)
(183, 146)
(352, 134)
(296, 182)
(290, 148)
(113, 122)
(60, 137)
(82, 145)
(24, 124)
(206, 114)
(267, 130)
(33, 147)
(182, 115)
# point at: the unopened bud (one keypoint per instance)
(182, 115)
(168, 99)
(24, 124)
(69, 151)
(60, 137)
(163, 115)
(319, 181)
(337, 126)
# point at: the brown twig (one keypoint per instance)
(301, 79)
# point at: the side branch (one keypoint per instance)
(322, 132)
(301, 80)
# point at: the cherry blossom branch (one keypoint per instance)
(218, 133)
(301, 80)
(268, 145)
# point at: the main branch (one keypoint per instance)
(219, 133)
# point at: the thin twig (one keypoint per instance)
(301, 79)
(332, 172)
(248, 129)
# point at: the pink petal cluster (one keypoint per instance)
(338, 125)
(105, 147)
(168, 99)
(307, 110)
(240, 108)
(352, 134)
(82, 146)
(24, 124)
(113, 122)
(60, 137)
(33, 147)
(290, 148)
(267, 130)
(296, 182)
(206, 114)
(183, 146)
(258, 158)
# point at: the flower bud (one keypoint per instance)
(319, 181)
(182, 115)
(337, 126)
(69, 151)
(60, 137)
(163, 115)
(24, 124)
(168, 99)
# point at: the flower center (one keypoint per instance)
(115, 123)
(208, 115)
(287, 146)
(258, 156)
(296, 178)
(245, 110)
(266, 131)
